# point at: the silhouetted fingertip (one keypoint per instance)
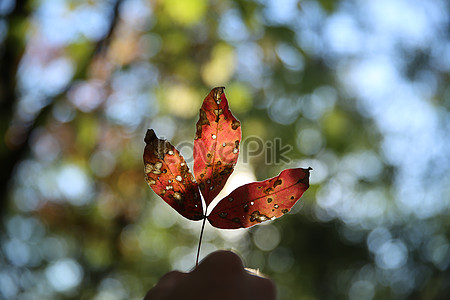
(171, 278)
(222, 260)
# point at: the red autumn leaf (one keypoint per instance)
(168, 175)
(216, 144)
(216, 149)
(257, 202)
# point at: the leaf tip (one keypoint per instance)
(150, 136)
(305, 179)
(217, 93)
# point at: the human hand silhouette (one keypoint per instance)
(220, 276)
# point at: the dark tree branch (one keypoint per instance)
(11, 52)
(11, 55)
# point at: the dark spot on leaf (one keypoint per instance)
(219, 163)
(208, 155)
(203, 120)
(246, 207)
(236, 143)
(218, 91)
(304, 180)
(183, 169)
(277, 183)
(268, 190)
(198, 133)
(223, 214)
(163, 192)
(276, 206)
(292, 197)
(236, 220)
(235, 124)
(285, 211)
(258, 217)
(226, 171)
(201, 186)
(218, 112)
(230, 199)
(269, 200)
(164, 171)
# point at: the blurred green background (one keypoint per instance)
(359, 89)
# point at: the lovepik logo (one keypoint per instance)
(273, 151)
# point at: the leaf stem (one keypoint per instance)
(200, 242)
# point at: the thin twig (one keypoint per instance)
(200, 242)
